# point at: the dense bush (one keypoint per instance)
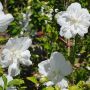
(37, 19)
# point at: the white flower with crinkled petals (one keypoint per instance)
(55, 68)
(75, 20)
(16, 53)
(5, 19)
(9, 78)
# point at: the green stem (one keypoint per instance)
(73, 51)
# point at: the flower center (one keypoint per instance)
(16, 53)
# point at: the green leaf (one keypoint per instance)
(33, 79)
(75, 88)
(1, 71)
(5, 81)
(16, 82)
(57, 88)
(48, 88)
(1, 88)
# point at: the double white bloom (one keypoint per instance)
(55, 68)
(16, 53)
(75, 20)
(9, 78)
(5, 19)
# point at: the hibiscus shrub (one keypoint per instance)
(44, 45)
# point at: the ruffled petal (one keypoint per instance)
(26, 43)
(5, 20)
(82, 30)
(13, 69)
(63, 84)
(74, 7)
(62, 18)
(66, 32)
(9, 78)
(16, 43)
(25, 58)
(5, 58)
(44, 67)
(49, 83)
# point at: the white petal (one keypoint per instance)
(9, 78)
(73, 30)
(55, 60)
(68, 34)
(74, 7)
(49, 83)
(26, 43)
(67, 69)
(44, 67)
(63, 83)
(61, 33)
(84, 14)
(61, 20)
(22, 43)
(85, 23)
(25, 58)
(6, 19)
(59, 64)
(64, 89)
(54, 76)
(13, 69)
(11, 88)
(82, 30)
(88, 67)
(13, 43)
(3, 28)
(65, 31)
(1, 82)
(5, 58)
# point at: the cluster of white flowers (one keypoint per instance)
(46, 11)
(75, 20)
(15, 52)
(56, 68)
(5, 19)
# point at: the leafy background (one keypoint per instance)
(46, 39)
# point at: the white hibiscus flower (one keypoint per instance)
(75, 20)
(5, 19)
(55, 68)
(16, 53)
(9, 78)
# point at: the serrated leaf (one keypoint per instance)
(33, 79)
